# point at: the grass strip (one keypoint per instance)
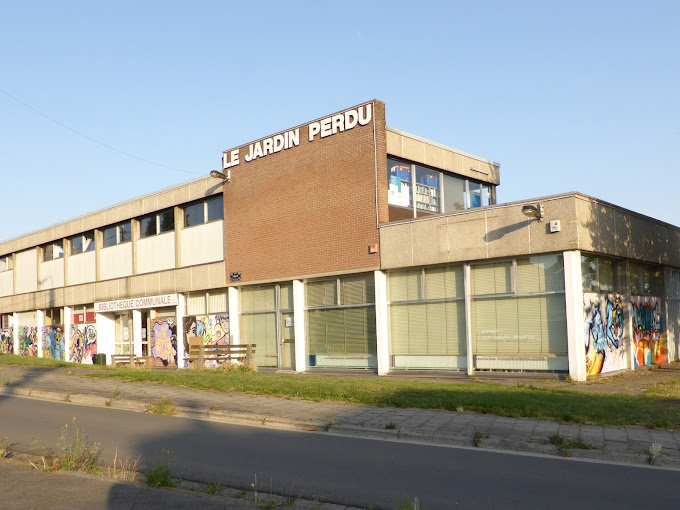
(515, 401)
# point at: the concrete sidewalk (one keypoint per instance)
(622, 444)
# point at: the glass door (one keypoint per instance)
(123, 340)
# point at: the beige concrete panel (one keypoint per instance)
(150, 204)
(396, 247)
(100, 291)
(217, 275)
(26, 268)
(197, 190)
(413, 149)
(434, 156)
(152, 284)
(453, 162)
(165, 200)
(183, 279)
(393, 144)
(430, 241)
(7, 283)
(137, 286)
(125, 287)
(542, 240)
(167, 282)
(200, 278)
(69, 295)
(87, 223)
(466, 233)
(202, 244)
(135, 208)
(649, 240)
(52, 274)
(82, 268)
(64, 230)
(508, 232)
(156, 253)
(587, 223)
(181, 195)
(112, 290)
(88, 293)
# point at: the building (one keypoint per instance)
(345, 244)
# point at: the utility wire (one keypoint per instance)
(99, 142)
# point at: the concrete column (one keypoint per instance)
(135, 230)
(179, 223)
(68, 321)
(234, 317)
(573, 288)
(381, 329)
(299, 326)
(106, 334)
(181, 312)
(15, 332)
(66, 244)
(137, 331)
(40, 321)
(467, 285)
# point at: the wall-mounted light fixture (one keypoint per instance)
(533, 211)
(220, 175)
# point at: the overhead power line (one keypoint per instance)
(94, 140)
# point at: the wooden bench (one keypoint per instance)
(199, 352)
(127, 359)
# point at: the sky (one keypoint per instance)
(102, 102)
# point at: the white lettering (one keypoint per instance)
(257, 153)
(268, 146)
(351, 119)
(338, 123)
(294, 137)
(314, 129)
(326, 127)
(279, 142)
(230, 159)
(249, 156)
(365, 119)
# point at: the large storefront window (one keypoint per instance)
(258, 320)
(427, 318)
(519, 315)
(432, 191)
(341, 322)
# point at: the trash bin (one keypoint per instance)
(99, 359)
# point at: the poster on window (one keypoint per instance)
(399, 192)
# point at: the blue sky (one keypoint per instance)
(567, 96)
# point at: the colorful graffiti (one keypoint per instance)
(213, 328)
(83, 343)
(163, 341)
(28, 341)
(648, 341)
(7, 341)
(605, 333)
(53, 342)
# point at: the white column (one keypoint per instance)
(299, 326)
(40, 320)
(68, 320)
(381, 329)
(106, 335)
(573, 288)
(137, 331)
(234, 318)
(179, 328)
(15, 332)
(467, 285)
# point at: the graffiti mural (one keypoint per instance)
(605, 333)
(53, 342)
(648, 341)
(163, 341)
(83, 343)
(28, 341)
(7, 341)
(213, 328)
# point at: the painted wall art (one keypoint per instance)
(7, 341)
(28, 341)
(213, 328)
(83, 344)
(163, 341)
(648, 341)
(53, 342)
(605, 338)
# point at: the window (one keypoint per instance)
(82, 243)
(644, 280)
(198, 213)
(433, 191)
(518, 308)
(158, 223)
(602, 274)
(258, 321)
(53, 250)
(341, 322)
(6, 263)
(118, 234)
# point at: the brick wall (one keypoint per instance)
(310, 209)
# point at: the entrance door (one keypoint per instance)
(287, 341)
(123, 341)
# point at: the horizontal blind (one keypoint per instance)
(258, 298)
(196, 304)
(322, 293)
(286, 296)
(405, 285)
(218, 302)
(491, 279)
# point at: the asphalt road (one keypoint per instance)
(352, 471)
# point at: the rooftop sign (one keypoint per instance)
(328, 126)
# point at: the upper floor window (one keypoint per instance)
(432, 191)
(118, 234)
(158, 223)
(204, 211)
(54, 250)
(6, 263)
(82, 243)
